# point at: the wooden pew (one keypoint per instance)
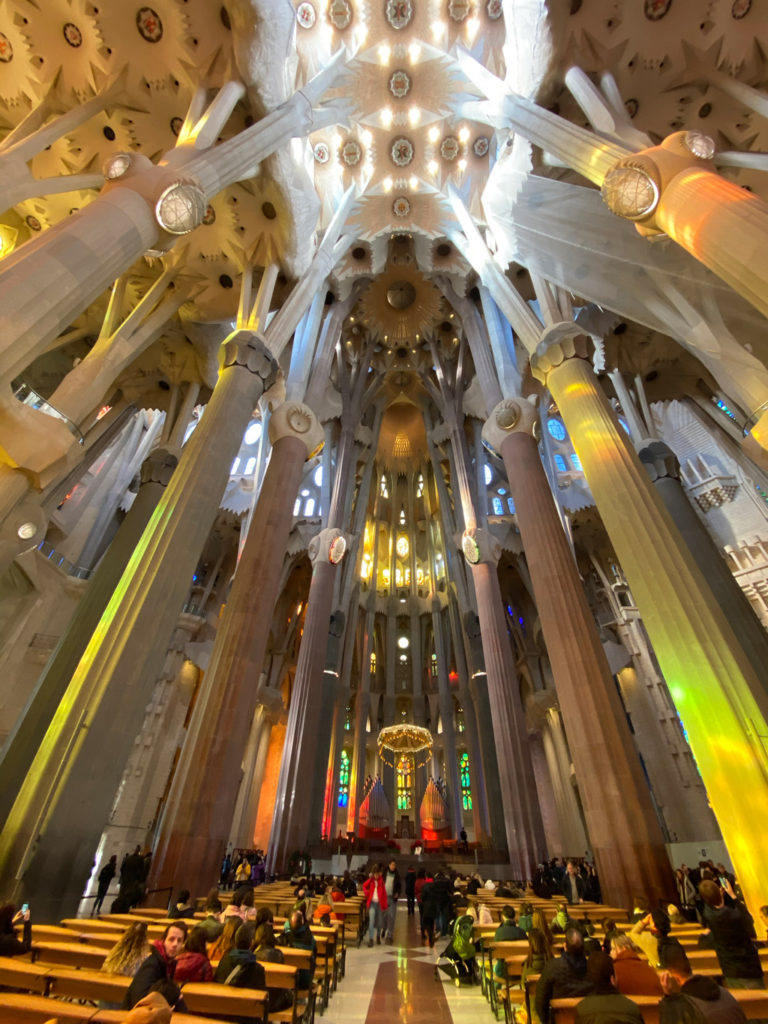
(16, 973)
(209, 997)
(118, 1016)
(754, 1003)
(66, 983)
(25, 1009)
(68, 954)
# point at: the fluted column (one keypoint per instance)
(625, 835)
(47, 844)
(27, 736)
(522, 818)
(711, 682)
(201, 803)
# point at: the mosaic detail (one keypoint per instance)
(400, 84)
(305, 15)
(399, 13)
(656, 9)
(33, 223)
(149, 25)
(6, 50)
(494, 9)
(177, 123)
(449, 148)
(72, 35)
(481, 145)
(401, 207)
(741, 8)
(340, 14)
(209, 216)
(401, 151)
(321, 152)
(458, 9)
(351, 153)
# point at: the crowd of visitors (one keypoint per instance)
(231, 943)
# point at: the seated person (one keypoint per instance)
(562, 920)
(508, 931)
(691, 998)
(649, 933)
(605, 1005)
(10, 944)
(212, 924)
(298, 935)
(192, 964)
(182, 907)
(160, 965)
(239, 967)
(634, 976)
(563, 977)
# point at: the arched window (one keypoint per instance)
(498, 506)
(344, 779)
(250, 466)
(309, 507)
(420, 486)
(466, 787)
(404, 783)
(317, 476)
(373, 663)
(297, 506)
(560, 463)
(235, 467)
(383, 487)
(348, 718)
(511, 506)
(487, 474)
(253, 433)
(576, 462)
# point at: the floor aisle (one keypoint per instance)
(396, 983)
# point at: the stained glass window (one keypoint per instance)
(344, 779)
(576, 461)
(373, 663)
(560, 463)
(498, 506)
(466, 788)
(402, 546)
(404, 783)
(556, 428)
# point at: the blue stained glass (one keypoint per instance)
(576, 462)
(511, 506)
(556, 428)
(560, 463)
(498, 507)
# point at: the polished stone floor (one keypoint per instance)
(396, 984)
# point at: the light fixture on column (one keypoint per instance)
(180, 208)
(630, 191)
(702, 146)
(116, 166)
(26, 531)
(337, 549)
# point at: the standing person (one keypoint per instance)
(226, 864)
(10, 945)
(106, 875)
(421, 881)
(733, 933)
(572, 885)
(376, 903)
(410, 890)
(429, 909)
(160, 965)
(686, 893)
(129, 952)
(464, 847)
(392, 887)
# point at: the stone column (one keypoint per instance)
(710, 680)
(522, 818)
(48, 841)
(268, 712)
(27, 735)
(445, 701)
(201, 804)
(625, 835)
(664, 470)
(290, 826)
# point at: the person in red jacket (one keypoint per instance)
(376, 902)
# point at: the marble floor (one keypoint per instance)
(396, 984)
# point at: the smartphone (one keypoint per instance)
(25, 909)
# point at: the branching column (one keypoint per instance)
(49, 838)
(709, 678)
(201, 804)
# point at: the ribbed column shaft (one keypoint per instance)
(524, 828)
(624, 832)
(201, 803)
(49, 839)
(709, 678)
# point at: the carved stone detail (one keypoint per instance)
(560, 342)
(511, 416)
(659, 459)
(246, 348)
(158, 467)
(294, 419)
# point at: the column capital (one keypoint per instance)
(479, 546)
(559, 342)
(659, 459)
(158, 467)
(294, 419)
(327, 546)
(510, 416)
(248, 349)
